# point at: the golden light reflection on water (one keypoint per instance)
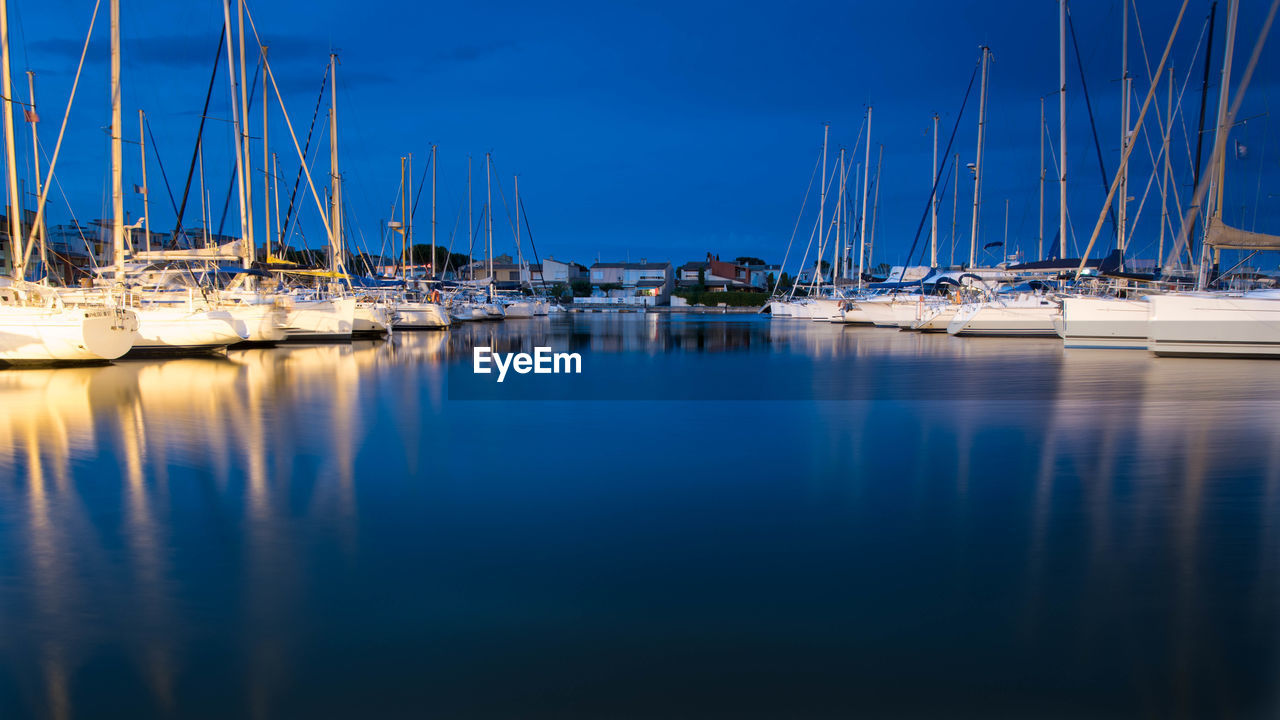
(275, 424)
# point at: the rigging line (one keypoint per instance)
(503, 196)
(1128, 149)
(191, 168)
(44, 192)
(422, 182)
(933, 191)
(163, 175)
(1185, 83)
(529, 232)
(289, 218)
(783, 267)
(823, 234)
(1088, 104)
(453, 232)
(1257, 196)
(231, 184)
(1204, 93)
(804, 260)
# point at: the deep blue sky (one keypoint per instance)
(658, 130)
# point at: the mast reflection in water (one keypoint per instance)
(877, 524)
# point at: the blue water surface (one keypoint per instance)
(721, 517)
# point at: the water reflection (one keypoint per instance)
(1089, 531)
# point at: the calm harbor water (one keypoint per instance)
(721, 517)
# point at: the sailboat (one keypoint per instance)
(1219, 324)
(36, 327)
(412, 308)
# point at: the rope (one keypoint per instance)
(945, 155)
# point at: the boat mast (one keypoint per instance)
(519, 252)
(836, 270)
(146, 191)
(488, 216)
(34, 119)
(1062, 128)
(866, 173)
(1164, 175)
(335, 179)
(471, 262)
(1124, 128)
(1040, 237)
(246, 171)
(11, 159)
(404, 256)
(275, 191)
(407, 239)
(246, 255)
(117, 149)
(822, 205)
(266, 167)
(1219, 140)
(933, 202)
(955, 206)
(875, 205)
(433, 213)
(977, 165)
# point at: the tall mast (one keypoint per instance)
(977, 165)
(11, 158)
(1062, 128)
(247, 171)
(933, 203)
(857, 193)
(1124, 126)
(34, 119)
(407, 238)
(146, 191)
(1164, 176)
(955, 206)
(335, 178)
(246, 252)
(117, 149)
(275, 191)
(875, 205)
(488, 216)
(470, 228)
(1214, 202)
(1040, 234)
(404, 218)
(836, 270)
(866, 173)
(519, 252)
(822, 205)
(266, 165)
(433, 212)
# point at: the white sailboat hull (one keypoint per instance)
(371, 319)
(1034, 320)
(263, 321)
(182, 329)
(420, 316)
(880, 312)
(1091, 322)
(852, 314)
(1214, 325)
(935, 318)
(332, 319)
(33, 335)
(521, 309)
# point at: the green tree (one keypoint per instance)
(748, 260)
(581, 288)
